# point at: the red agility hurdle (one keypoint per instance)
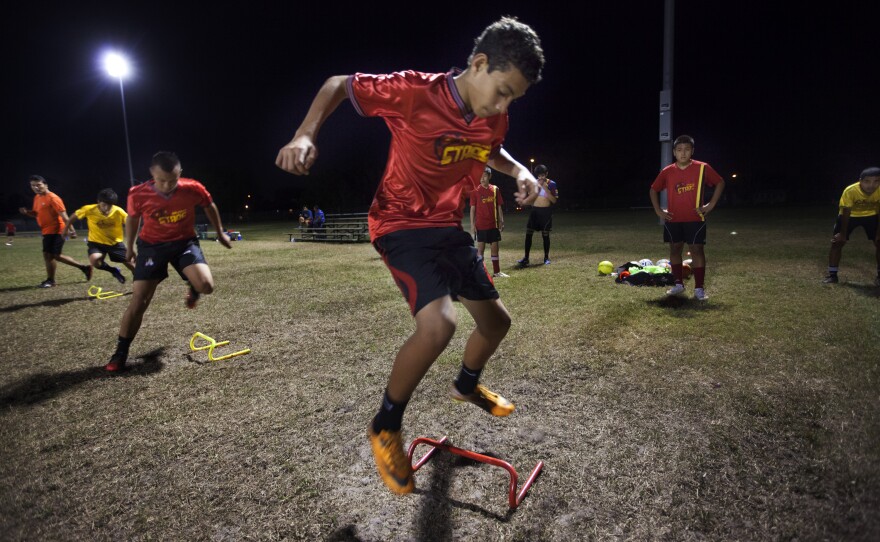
(513, 499)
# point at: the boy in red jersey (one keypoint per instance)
(167, 205)
(51, 215)
(446, 127)
(487, 219)
(685, 217)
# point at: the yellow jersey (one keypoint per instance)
(859, 203)
(103, 229)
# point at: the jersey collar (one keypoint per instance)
(450, 81)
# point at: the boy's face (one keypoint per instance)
(166, 181)
(493, 92)
(484, 180)
(39, 187)
(683, 153)
(104, 207)
(870, 184)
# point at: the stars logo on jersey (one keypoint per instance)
(452, 148)
(163, 216)
(681, 188)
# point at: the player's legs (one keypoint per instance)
(698, 264)
(545, 236)
(96, 259)
(63, 258)
(481, 248)
(199, 277)
(51, 266)
(141, 295)
(496, 262)
(528, 246)
(493, 323)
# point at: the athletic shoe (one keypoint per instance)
(830, 279)
(391, 461)
(501, 275)
(117, 363)
(700, 294)
(489, 401)
(546, 261)
(192, 297)
(87, 271)
(678, 289)
(48, 283)
(117, 274)
(523, 263)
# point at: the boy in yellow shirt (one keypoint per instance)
(106, 221)
(859, 206)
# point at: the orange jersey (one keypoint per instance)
(49, 207)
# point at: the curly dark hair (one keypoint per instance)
(509, 43)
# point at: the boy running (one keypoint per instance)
(105, 221)
(487, 219)
(445, 128)
(685, 218)
(167, 205)
(51, 216)
(859, 205)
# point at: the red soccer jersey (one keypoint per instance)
(684, 189)
(438, 150)
(167, 217)
(486, 201)
(49, 207)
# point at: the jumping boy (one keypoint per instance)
(685, 216)
(859, 206)
(51, 216)
(167, 205)
(446, 127)
(105, 220)
(487, 219)
(541, 217)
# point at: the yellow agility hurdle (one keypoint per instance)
(99, 293)
(211, 345)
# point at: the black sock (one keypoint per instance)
(105, 267)
(390, 415)
(467, 380)
(122, 344)
(547, 247)
(528, 245)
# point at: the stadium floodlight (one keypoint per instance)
(118, 67)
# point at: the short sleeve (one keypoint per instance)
(81, 212)
(388, 95)
(57, 204)
(711, 177)
(659, 183)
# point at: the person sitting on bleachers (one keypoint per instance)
(305, 217)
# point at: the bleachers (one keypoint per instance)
(338, 228)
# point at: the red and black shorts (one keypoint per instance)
(53, 243)
(116, 252)
(692, 233)
(153, 258)
(867, 222)
(430, 263)
(489, 236)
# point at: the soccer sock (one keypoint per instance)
(390, 415)
(122, 344)
(528, 244)
(676, 272)
(546, 246)
(496, 265)
(699, 275)
(833, 270)
(105, 267)
(467, 380)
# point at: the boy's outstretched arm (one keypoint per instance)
(298, 156)
(213, 215)
(526, 184)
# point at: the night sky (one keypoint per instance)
(785, 97)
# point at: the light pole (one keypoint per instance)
(117, 67)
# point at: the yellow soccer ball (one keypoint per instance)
(605, 267)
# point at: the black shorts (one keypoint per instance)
(116, 252)
(430, 263)
(867, 222)
(489, 236)
(153, 259)
(692, 233)
(540, 219)
(53, 243)
(10, 234)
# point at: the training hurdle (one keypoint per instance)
(513, 500)
(99, 293)
(211, 345)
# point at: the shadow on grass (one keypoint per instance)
(344, 534)
(867, 290)
(51, 303)
(686, 305)
(42, 386)
(434, 518)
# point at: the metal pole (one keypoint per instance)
(666, 92)
(127, 144)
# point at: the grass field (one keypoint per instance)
(753, 416)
